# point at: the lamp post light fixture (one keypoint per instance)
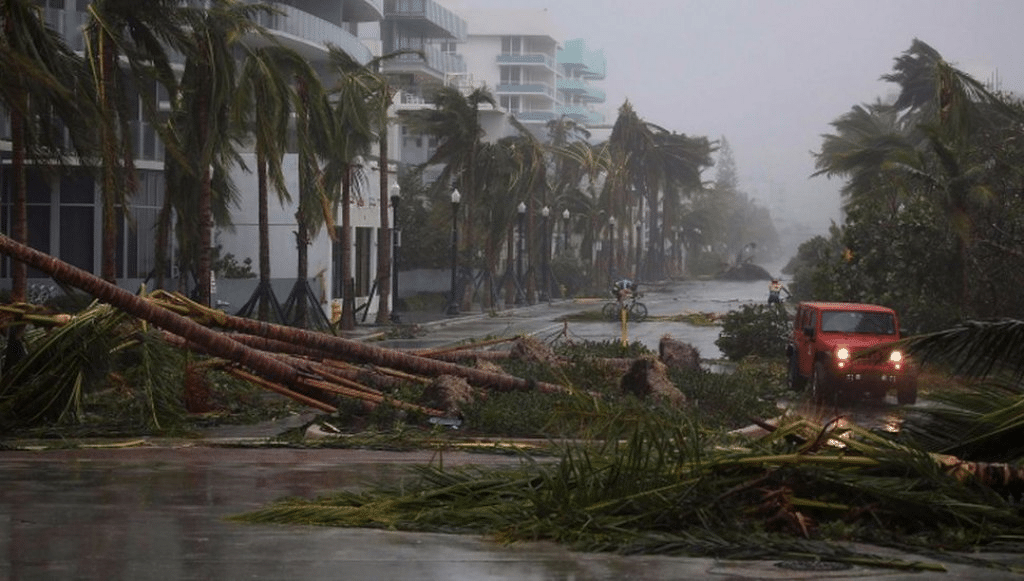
(565, 230)
(453, 306)
(520, 298)
(545, 291)
(395, 244)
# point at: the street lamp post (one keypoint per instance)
(520, 298)
(453, 306)
(565, 230)
(611, 248)
(395, 244)
(640, 249)
(545, 290)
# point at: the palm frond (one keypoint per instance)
(974, 348)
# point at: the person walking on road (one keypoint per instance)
(775, 290)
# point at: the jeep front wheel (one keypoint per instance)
(906, 394)
(820, 390)
(797, 382)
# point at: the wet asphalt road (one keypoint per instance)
(158, 509)
(542, 319)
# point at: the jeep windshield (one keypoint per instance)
(857, 322)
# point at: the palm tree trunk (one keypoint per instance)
(111, 163)
(301, 277)
(263, 311)
(19, 218)
(216, 344)
(205, 238)
(343, 349)
(385, 235)
(348, 301)
(163, 233)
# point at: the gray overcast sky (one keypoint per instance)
(769, 75)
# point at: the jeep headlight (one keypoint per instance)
(896, 358)
(842, 357)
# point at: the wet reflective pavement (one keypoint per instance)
(159, 512)
(543, 320)
(158, 509)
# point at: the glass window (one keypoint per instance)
(77, 188)
(857, 322)
(76, 239)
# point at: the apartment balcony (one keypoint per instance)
(437, 64)
(309, 34)
(363, 10)
(582, 90)
(425, 18)
(537, 58)
(582, 115)
(534, 116)
(589, 64)
(544, 89)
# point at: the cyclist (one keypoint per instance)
(623, 289)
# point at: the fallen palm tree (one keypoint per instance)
(297, 380)
(333, 347)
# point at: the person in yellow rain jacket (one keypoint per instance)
(774, 292)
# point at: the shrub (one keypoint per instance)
(759, 330)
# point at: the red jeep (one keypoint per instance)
(824, 346)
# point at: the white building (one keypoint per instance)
(517, 55)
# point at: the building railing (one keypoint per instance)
(534, 116)
(534, 58)
(445, 63)
(582, 90)
(525, 89)
(429, 11)
(582, 114)
(589, 63)
(313, 29)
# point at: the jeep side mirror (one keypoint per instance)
(809, 331)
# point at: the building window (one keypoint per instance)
(137, 236)
(510, 103)
(511, 75)
(512, 45)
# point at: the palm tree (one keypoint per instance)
(584, 167)
(924, 146)
(984, 420)
(871, 146)
(675, 166)
(202, 128)
(141, 33)
(263, 104)
(314, 134)
(630, 144)
(356, 99)
(455, 121)
(40, 74)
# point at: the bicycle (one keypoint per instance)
(636, 311)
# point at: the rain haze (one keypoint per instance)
(769, 76)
